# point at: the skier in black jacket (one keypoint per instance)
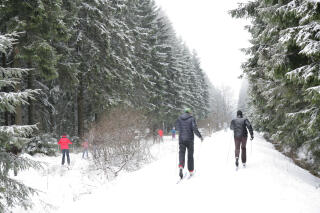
(239, 126)
(187, 127)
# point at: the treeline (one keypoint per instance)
(88, 56)
(65, 64)
(283, 73)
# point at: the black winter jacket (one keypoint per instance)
(186, 125)
(239, 126)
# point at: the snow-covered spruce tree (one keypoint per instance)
(42, 26)
(201, 88)
(99, 55)
(243, 100)
(58, 95)
(159, 81)
(12, 138)
(283, 70)
(90, 44)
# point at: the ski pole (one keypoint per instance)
(177, 156)
(230, 139)
(199, 152)
(251, 147)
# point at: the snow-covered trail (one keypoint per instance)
(270, 183)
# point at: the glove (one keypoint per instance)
(251, 137)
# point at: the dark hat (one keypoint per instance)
(239, 113)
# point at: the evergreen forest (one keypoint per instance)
(283, 75)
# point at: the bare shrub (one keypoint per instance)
(119, 141)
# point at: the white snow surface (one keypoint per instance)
(271, 182)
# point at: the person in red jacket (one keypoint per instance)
(64, 146)
(160, 133)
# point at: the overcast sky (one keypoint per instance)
(206, 26)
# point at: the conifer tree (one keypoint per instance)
(14, 137)
(283, 70)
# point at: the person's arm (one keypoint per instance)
(232, 125)
(59, 142)
(195, 128)
(248, 125)
(178, 125)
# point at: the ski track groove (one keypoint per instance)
(269, 183)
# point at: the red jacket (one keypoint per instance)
(160, 132)
(64, 142)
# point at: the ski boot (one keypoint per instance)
(237, 164)
(181, 172)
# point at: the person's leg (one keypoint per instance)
(84, 150)
(243, 149)
(68, 157)
(87, 152)
(237, 142)
(63, 156)
(182, 152)
(190, 157)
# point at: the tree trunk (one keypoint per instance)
(80, 106)
(5, 89)
(18, 119)
(30, 101)
(18, 115)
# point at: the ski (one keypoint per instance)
(190, 176)
(183, 177)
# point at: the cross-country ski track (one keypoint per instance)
(271, 182)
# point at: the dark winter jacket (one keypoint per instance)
(187, 127)
(239, 126)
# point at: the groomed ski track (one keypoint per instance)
(270, 183)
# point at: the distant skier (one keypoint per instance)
(173, 132)
(160, 133)
(85, 146)
(187, 127)
(64, 146)
(239, 126)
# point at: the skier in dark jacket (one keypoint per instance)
(187, 127)
(239, 126)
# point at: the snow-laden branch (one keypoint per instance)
(303, 73)
(8, 101)
(18, 130)
(305, 36)
(6, 42)
(8, 83)
(314, 89)
(12, 72)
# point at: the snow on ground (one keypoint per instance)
(270, 183)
